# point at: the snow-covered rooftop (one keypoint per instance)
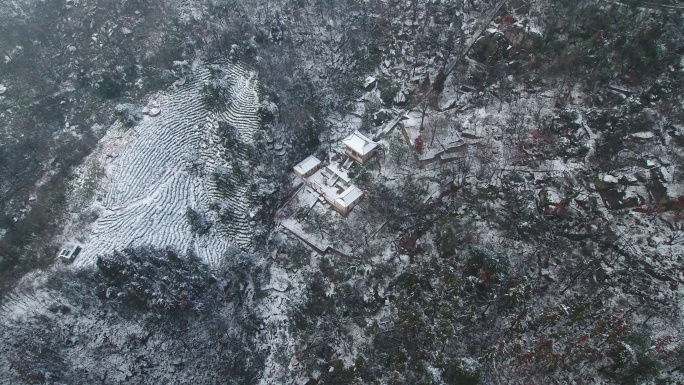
(360, 143)
(307, 165)
(327, 183)
(339, 172)
(333, 185)
(349, 196)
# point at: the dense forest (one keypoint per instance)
(522, 222)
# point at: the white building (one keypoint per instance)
(307, 167)
(331, 182)
(359, 147)
(348, 199)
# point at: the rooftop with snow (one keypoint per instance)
(307, 167)
(359, 147)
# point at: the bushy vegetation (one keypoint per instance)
(485, 270)
(159, 312)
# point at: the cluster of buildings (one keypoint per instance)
(330, 181)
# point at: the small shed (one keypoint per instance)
(359, 147)
(307, 167)
(69, 254)
(348, 199)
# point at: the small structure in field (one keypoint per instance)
(359, 147)
(153, 107)
(307, 167)
(68, 254)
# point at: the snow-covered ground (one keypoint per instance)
(164, 166)
(153, 173)
(140, 182)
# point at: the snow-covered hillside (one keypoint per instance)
(167, 165)
(522, 219)
(172, 182)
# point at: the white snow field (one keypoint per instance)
(167, 165)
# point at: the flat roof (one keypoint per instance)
(307, 164)
(360, 143)
(349, 196)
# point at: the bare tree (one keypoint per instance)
(426, 97)
(438, 124)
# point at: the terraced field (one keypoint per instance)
(150, 176)
(168, 166)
